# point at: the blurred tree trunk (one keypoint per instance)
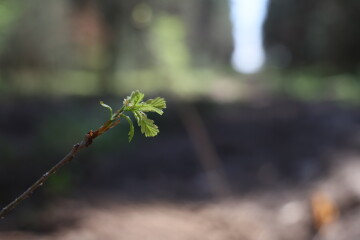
(324, 33)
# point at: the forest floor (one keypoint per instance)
(292, 169)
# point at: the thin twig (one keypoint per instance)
(87, 141)
(132, 103)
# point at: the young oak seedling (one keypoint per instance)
(132, 104)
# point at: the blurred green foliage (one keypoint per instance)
(310, 85)
(169, 44)
(10, 10)
(154, 47)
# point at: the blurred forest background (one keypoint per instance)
(269, 155)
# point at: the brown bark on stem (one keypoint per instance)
(87, 141)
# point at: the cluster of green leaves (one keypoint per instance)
(135, 104)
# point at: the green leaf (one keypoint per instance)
(138, 116)
(134, 103)
(157, 102)
(148, 108)
(152, 105)
(131, 131)
(136, 97)
(147, 126)
(108, 107)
